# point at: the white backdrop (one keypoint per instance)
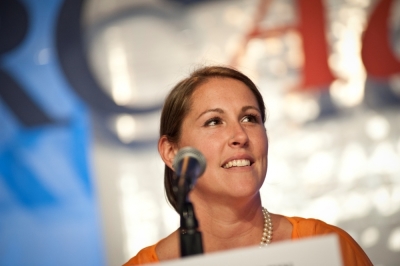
(343, 168)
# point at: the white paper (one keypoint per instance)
(320, 250)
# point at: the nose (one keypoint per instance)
(239, 137)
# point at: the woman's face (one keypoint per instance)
(225, 124)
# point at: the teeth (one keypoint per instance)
(237, 163)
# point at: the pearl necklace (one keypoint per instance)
(267, 231)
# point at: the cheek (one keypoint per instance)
(186, 138)
(260, 137)
(267, 143)
(209, 152)
(202, 139)
(190, 140)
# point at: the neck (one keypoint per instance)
(227, 225)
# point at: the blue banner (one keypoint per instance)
(49, 214)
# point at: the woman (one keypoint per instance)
(220, 112)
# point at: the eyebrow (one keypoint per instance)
(245, 108)
(219, 110)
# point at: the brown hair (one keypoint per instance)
(177, 105)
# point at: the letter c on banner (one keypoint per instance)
(73, 60)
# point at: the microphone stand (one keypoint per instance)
(190, 238)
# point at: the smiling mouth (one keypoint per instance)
(236, 163)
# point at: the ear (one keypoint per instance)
(167, 150)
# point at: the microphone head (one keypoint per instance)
(196, 163)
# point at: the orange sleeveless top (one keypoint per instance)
(352, 254)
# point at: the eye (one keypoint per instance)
(213, 121)
(250, 119)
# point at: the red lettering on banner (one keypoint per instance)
(377, 54)
(316, 72)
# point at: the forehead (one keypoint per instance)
(222, 90)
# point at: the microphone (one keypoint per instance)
(189, 164)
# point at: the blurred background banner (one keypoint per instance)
(49, 214)
(82, 84)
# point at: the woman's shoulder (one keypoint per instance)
(146, 255)
(303, 227)
(351, 251)
(165, 249)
